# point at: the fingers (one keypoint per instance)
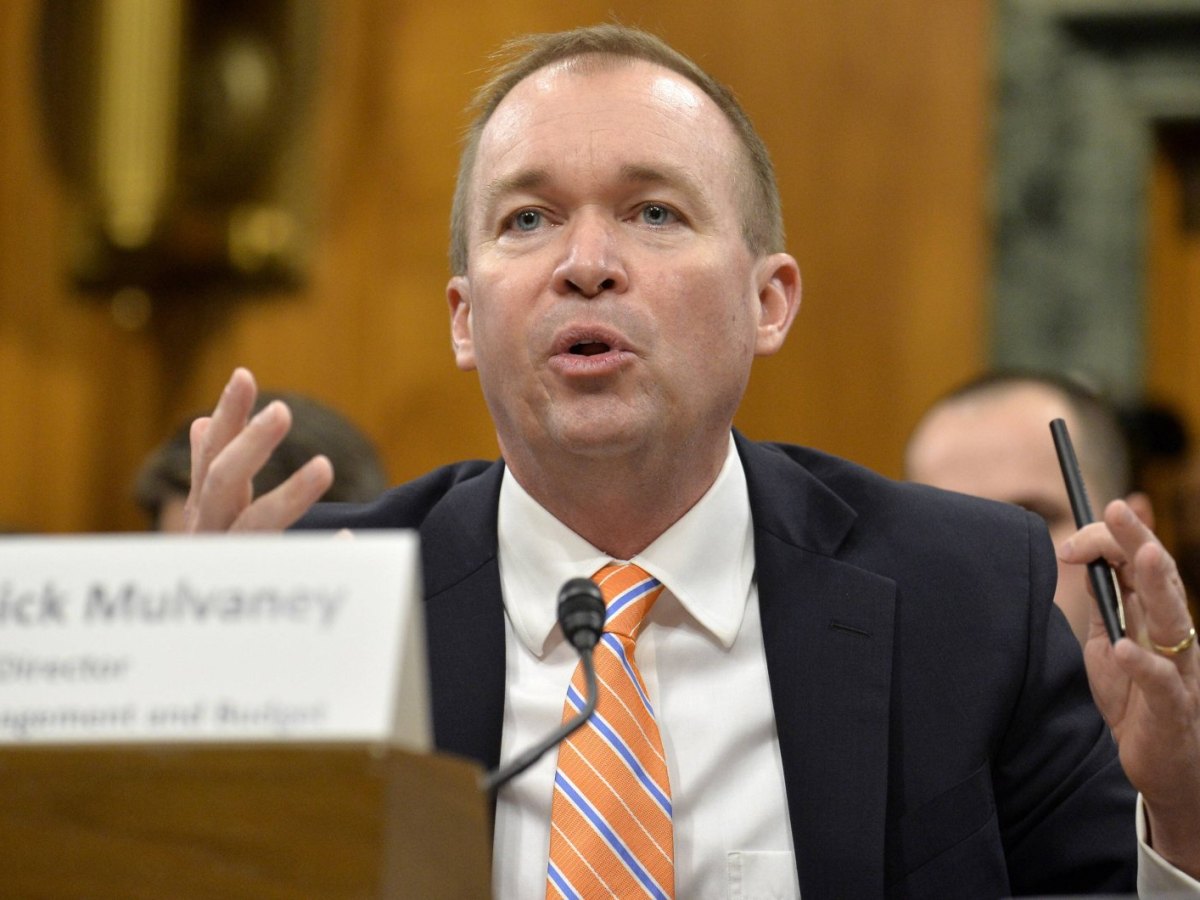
(1143, 567)
(1160, 590)
(1168, 623)
(282, 506)
(1090, 543)
(1097, 541)
(229, 449)
(227, 490)
(196, 440)
(210, 435)
(1150, 698)
(1146, 571)
(226, 422)
(1169, 694)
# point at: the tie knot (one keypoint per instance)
(628, 593)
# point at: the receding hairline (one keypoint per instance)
(597, 48)
(597, 62)
(519, 59)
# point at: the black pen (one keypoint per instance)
(1104, 580)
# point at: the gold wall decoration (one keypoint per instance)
(181, 127)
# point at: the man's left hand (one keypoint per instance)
(1147, 685)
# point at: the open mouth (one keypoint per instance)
(589, 348)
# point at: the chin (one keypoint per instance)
(598, 443)
(599, 436)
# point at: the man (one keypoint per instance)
(990, 438)
(856, 682)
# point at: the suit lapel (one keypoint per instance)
(464, 619)
(827, 632)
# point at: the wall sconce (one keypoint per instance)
(181, 127)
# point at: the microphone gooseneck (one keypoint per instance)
(581, 618)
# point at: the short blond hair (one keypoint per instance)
(762, 215)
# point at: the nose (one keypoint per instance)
(591, 262)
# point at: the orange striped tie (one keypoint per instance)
(610, 829)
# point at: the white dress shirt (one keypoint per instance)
(701, 655)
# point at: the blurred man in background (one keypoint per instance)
(991, 438)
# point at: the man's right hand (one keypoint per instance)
(228, 449)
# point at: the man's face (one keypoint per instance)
(999, 446)
(610, 303)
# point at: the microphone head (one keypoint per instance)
(581, 612)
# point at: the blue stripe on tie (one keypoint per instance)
(598, 722)
(610, 838)
(561, 883)
(575, 698)
(614, 644)
(631, 593)
(601, 725)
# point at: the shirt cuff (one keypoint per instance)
(1156, 877)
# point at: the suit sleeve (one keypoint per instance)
(1066, 809)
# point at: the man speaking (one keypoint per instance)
(815, 681)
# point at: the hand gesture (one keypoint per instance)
(1147, 685)
(228, 449)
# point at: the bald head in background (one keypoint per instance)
(991, 438)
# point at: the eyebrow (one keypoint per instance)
(670, 176)
(525, 180)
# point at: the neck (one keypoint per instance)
(621, 505)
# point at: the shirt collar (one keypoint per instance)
(706, 559)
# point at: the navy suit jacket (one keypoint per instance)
(937, 732)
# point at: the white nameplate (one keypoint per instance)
(296, 637)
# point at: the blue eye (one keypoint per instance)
(657, 214)
(526, 220)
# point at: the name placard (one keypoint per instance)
(152, 638)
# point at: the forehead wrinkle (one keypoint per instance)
(669, 176)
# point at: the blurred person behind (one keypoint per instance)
(990, 437)
(162, 484)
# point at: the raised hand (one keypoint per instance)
(228, 449)
(1147, 685)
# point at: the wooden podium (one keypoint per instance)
(240, 821)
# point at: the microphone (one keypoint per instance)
(581, 613)
(581, 617)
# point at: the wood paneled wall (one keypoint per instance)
(877, 114)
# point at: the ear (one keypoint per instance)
(778, 283)
(1142, 508)
(458, 293)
